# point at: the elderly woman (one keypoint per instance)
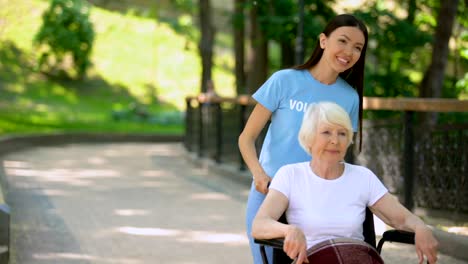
(326, 198)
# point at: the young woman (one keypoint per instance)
(334, 72)
(325, 198)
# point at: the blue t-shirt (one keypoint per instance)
(287, 93)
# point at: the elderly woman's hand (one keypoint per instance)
(426, 244)
(295, 244)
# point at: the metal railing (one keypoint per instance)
(425, 167)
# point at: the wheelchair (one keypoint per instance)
(280, 257)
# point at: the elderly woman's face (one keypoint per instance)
(330, 143)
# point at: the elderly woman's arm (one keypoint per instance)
(266, 226)
(396, 215)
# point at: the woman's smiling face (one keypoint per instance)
(330, 143)
(342, 48)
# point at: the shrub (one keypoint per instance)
(65, 38)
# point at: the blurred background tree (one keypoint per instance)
(206, 42)
(65, 39)
(416, 48)
(150, 52)
(403, 38)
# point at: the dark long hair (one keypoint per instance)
(354, 76)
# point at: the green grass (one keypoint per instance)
(136, 60)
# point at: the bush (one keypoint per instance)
(65, 38)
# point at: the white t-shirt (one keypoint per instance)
(326, 209)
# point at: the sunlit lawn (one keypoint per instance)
(136, 61)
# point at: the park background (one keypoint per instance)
(126, 68)
(147, 56)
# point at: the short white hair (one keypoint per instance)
(323, 112)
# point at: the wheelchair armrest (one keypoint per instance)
(396, 236)
(274, 242)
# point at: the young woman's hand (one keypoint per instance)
(295, 244)
(262, 181)
(426, 245)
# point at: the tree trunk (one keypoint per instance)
(239, 49)
(431, 86)
(288, 54)
(257, 60)
(300, 35)
(206, 42)
(432, 83)
(412, 7)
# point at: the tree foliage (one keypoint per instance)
(65, 38)
(396, 53)
(400, 41)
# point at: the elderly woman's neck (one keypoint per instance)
(328, 171)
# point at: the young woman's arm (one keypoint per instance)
(396, 215)
(256, 122)
(266, 226)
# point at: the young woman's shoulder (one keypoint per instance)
(286, 74)
(342, 82)
(346, 89)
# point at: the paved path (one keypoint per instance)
(128, 203)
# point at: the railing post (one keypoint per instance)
(408, 158)
(200, 129)
(5, 233)
(219, 132)
(188, 125)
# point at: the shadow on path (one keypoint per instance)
(129, 203)
(121, 203)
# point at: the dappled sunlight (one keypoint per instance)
(153, 173)
(66, 162)
(59, 173)
(217, 217)
(245, 192)
(152, 184)
(97, 161)
(76, 257)
(73, 177)
(96, 174)
(140, 231)
(210, 196)
(160, 151)
(114, 152)
(42, 108)
(461, 230)
(79, 205)
(15, 164)
(54, 192)
(164, 151)
(200, 171)
(189, 236)
(131, 212)
(215, 238)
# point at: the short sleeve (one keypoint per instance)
(281, 181)
(376, 189)
(269, 94)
